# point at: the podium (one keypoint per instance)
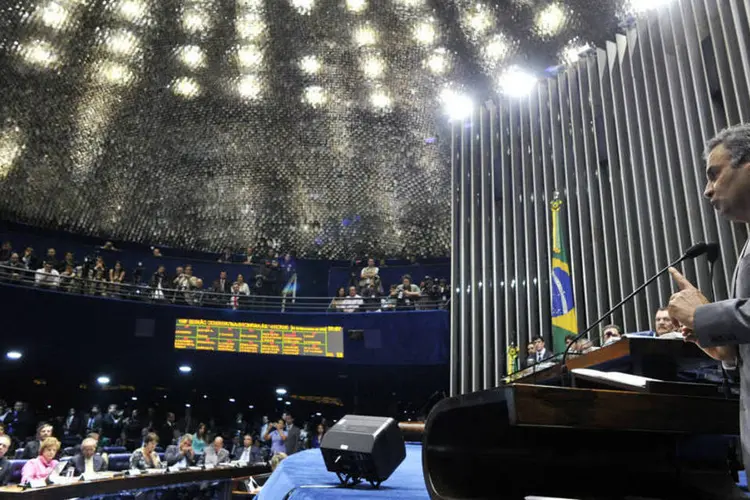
(526, 439)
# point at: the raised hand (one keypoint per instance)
(682, 305)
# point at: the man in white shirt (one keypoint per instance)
(352, 302)
(47, 276)
(88, 461)
(246, 453)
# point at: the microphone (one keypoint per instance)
(700, 248)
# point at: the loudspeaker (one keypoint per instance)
(360, 447)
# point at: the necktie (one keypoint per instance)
(91, 422)
(89, 468)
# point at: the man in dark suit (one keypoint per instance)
(72, 424)
(94, 421)
(112, 424)
(166, 432)
(722, 329)
(88, 460)
(293, 442)
(181, 455)
(31, 449)
(5, 468)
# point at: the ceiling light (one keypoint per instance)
(356, 5)
(249, 87)
(191, 56)
(479, 21)
(132, 10)
(281, 391)
(186, 87)
(373, 67)
(315, 95)
(365, 36)
(438, 62)
(250, 26)
(13, 355)
(249, 56)
(115, 73)
(550, 20)
(497, 48)
(185, 369)
(187, 405)
(424, 33)
(287, 403)
(195, 21)
(457, 106)
(380, 100)
(279, 399)
(250, 407)
(102, 380)
(515, 82)
(39, 53)
(573, 53)
(121, 42)
(54, 15)
(310, 65)
(231, 400)
(134, 398)
(303, 6)
(318, 414)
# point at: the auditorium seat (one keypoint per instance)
(19, 453)
(119, 461)
(114, 449)
(15, 467)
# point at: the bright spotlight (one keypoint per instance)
(191, 56)
(303, 6)
(517, 83)
(132, 10)
(550, 20)
(249, 87)
(13, 355)
(186, 87)
(373, 67)
(40, 53)
(102, 380)
(195, 21)
(356, 5)
(281, 391)
(497, 48)
(365, 36)
(134, 398)
(54, 15)
(187, 405)
(250, 407)
(315, 95)
(231, 400)
(424, 33)
(573, 53)
(287, 403)
(318, 414)
(11, 146)
(249, 56)
(205, 396)
(250, 26)
(121, 42)
(279, 399)
(457, 106)
(437, 62)
(310, 65)
(185, 368)
(479, 21)
(380, 100)
(115, 73)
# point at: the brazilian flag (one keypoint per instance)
(563, 307)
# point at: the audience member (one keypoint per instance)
(247, 452)
(265, 424)
(88, 460)
(31, 448)
(68, 261)
(226, 256)
(541, 352)
(159, 282)
(293, 441)
(156, 252)
(277, 459)
(244, 289)
(51, 257)
(369, 273)
(72, 424)
(146, 457)
(182, 455)
(166, 432)
(185, 424)
(5, 469)
(276, 435)
(14, 268)
(611, 334)
(43, 465)
(222, 285)
(6, 250)
(407, 293)
(352, 302)
(134, 428)
(317, 438)
(200, 439)
(216, 453)
(239, 427)
(663, 323)
(338, 301)
(47, 276)
(112, 423)
(29, 259)
(116, 277)
(94, 421)
(18, 422)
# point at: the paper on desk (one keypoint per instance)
(619, 377)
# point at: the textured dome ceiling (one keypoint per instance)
(310, 125)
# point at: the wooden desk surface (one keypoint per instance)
(123, 483)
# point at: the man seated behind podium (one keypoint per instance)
(541, 352)
(87, 460)
(216, 453)
(247, 452)
(181, 455)
(611, 334)
(663, 322)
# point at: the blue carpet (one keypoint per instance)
(307, 468)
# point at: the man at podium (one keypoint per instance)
(722, 329)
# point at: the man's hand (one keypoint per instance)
(683, 304)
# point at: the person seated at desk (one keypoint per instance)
(5, 469)
(87, 460)
(200, 439)
(43, 465)
(277, 435)
(216, 453)
(146, 457)
(247, 452)
(31, 449)
(182, 454)
(611, 334)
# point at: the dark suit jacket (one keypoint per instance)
(293, 441)
(166, 433)
(727, 322)
(31, 449)
(79, 464)
(173, 455)
(110, 428)
(5, 471)
(216, 287)
(97, 425)
(74, 428)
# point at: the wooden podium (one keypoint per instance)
(523, 439)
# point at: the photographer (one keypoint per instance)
(407, 294)
(159, 282)
(370, 292)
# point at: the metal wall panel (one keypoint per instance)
(619, 134)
